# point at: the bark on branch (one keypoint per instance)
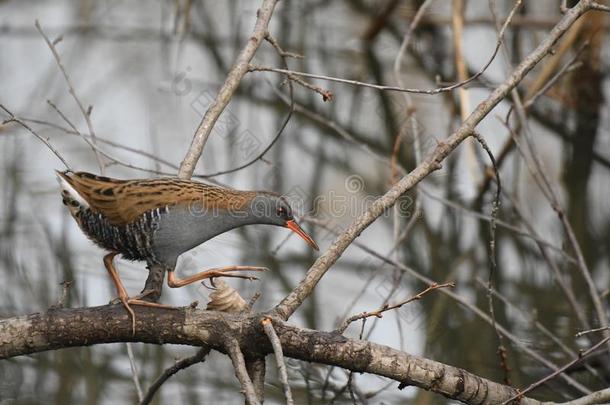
(59, 328)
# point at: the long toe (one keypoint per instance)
(135, 301)
(230, 269)
(251, 278)
(125, 302)
(138, 297)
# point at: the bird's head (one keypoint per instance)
(273, 209)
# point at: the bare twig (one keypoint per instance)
(86, 113)
(387, 307)
(529, 234)
(540, 176)
(338, 129)
(465, 303)
(457, 25)
(598, 397)
(65, 293)
(256, 371)
(567, 289)
(492, 257)
(284, 54)
(508, 145)
(578, 359)
(239, 364)
(279, 358)
(134, 371)
(94, 146)
(30, 130)
(600, 7)
(411, 109)
(253, 299)
(549, 68)
(71, 131)
(586, 332)
(293, 300)
(530, 317)
(237, 72)
(279, 133)
(327, 95)
(398, 88)
(170, 371)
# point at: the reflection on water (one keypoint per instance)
(150, 71)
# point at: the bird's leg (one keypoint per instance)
(154, 282)
(123, 297)
(174, 282)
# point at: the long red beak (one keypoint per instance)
(294, 227)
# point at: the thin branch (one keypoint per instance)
(378, 313)
(30, 130)
(600, 7)
(554, 201)
(271, 39)
(170, 371)
(256, 371)
(65, 294)
(598, 397)
(86, 113)
(327, 95)
(411, 110)
(432, 163)
(239, 364)
(105, 141)
(94, 146)
(465, 303)
(530, 234)
(529, 316)
(492, 256)
(279, 358)
(237, 72)
(134, 371)
(566, 287)
(586, 332)
(578, 359)
(279, 133)
(438, 90)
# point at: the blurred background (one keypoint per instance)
(149, 69)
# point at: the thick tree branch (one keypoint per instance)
(110, 323)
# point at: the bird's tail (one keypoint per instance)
(71, 198)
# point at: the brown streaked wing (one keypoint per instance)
(122, 201)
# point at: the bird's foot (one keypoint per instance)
(127, 302)
(228, 271)
(133, 301)
(138, 297)
(124, 299)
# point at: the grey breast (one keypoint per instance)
(182, 228)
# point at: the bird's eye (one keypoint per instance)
(281, 211)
